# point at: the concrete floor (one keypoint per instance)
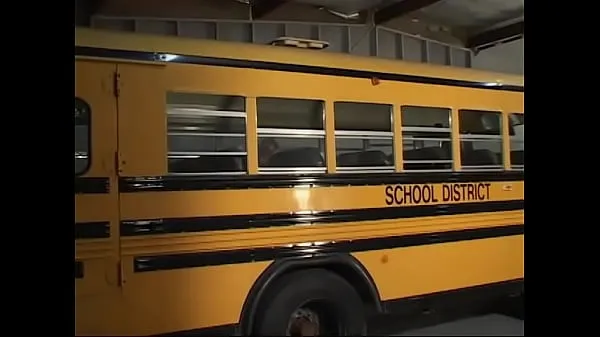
(488, 325)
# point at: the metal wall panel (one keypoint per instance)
(413, 49)
(506, 58)
(338, 38)
(438, 53)
(364, 40)
(198, 30)
(267, 32)
(156, 27)
(234, 32)
(386, 44)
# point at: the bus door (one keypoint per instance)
(97, 259)
(142, 146)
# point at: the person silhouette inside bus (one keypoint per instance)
(266, 149)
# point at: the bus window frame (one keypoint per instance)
(339, 132)
(453, 157)
(89, 137)
(512, 166)
(473, 138)
(209, 112)
(306, 133)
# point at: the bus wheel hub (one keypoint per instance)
(303, 322)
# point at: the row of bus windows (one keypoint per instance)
(207, 135)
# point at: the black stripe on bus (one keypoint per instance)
(78, 269)
(217, 223)
(276, 66)
(91, 185)
(191, 260)
(187, 183)
(92, 230)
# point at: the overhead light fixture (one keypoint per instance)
(286, 41)
(351, 16)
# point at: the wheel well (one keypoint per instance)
(358, 282)
(344, 265)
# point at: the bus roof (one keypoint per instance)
(85, 37)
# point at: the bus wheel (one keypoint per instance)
(312, 302)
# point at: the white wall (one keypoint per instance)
(506, 58)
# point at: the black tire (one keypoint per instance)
(344, 313)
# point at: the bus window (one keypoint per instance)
(206, 134)
(82, 136)
(364, 137)
(426, 139)
(291, 135)
(480, 139)
(517, 141)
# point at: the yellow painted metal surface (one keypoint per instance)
(100, 287)
(94, 83)
(421, 270)
(280, 236)
(153, 205)
(142, 120)
(165, 301)
(131, 129)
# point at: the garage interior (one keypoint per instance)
(482, 34)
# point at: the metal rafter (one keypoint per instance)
(260, 8)
(84, 10)
(489, 38)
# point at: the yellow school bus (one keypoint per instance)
(260, 190)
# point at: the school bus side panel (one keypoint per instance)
(142, 120)
(413, 271)
(96, 252)
(235, 81)
(171, 299)
(187, 298)
(181, 204)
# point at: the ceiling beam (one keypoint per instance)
(399, 9)
(260, 8)
(490, 38)
(84, 10)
